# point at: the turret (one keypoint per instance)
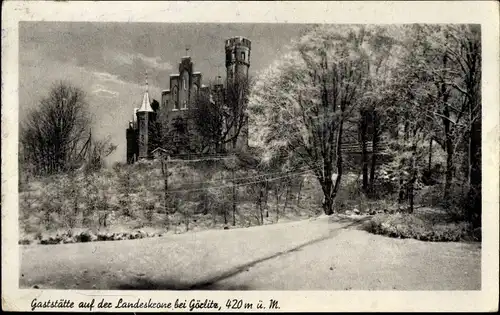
(144, 118)
(237, 58)
(237, 64)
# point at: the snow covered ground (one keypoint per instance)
(324, 253)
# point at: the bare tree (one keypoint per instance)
(464, 50)
(301, 105)
(450, 58)
(54, 132)
(96, 151)
(219, 115)
(236, 119)
(207, 115)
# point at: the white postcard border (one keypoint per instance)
(484, 13)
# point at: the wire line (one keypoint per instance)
(237, 185)
(250, 177)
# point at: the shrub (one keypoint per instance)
(24, 241)
(85, 236)
(432, 196)
(403, 225)
(350, 196)
(149, 211)
(133, 196)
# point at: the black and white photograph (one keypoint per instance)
(161, 156)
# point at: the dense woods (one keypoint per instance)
(406, 87)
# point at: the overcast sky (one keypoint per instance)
(109, 60)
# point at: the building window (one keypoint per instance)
(176, 102)
(185, 78)
(243, 56)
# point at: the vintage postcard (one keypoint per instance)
(250, 156)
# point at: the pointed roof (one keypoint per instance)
(146, 104)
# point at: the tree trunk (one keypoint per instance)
(234, 142)
(328, 204)
(330, 189)
(205, 202)
(267, 198)
(474, 195)
(278, 197)
(287, 193)
(266, 193)
(411, 189)
(449, 170)
(402, 185)
(374, 153)
(448, 140)
(429, 163)
(164, 170)
(261, 196)
(401, 194)
(300, 190)
(214, 217)
(327, 186)
(234, 199)
(413, 178)
(364, 154)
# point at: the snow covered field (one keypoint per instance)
(316, 254)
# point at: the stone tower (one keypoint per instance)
(145, 116)
(237, 58)
(237, 64)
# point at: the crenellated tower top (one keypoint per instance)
(237, 58)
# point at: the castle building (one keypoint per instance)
(184, 87)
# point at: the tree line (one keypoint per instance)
(412, 87)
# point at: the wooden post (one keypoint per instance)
(261, 196)
(267, 197)
(234, 197)
(164, 170)
(165, 173)
(278, 197)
